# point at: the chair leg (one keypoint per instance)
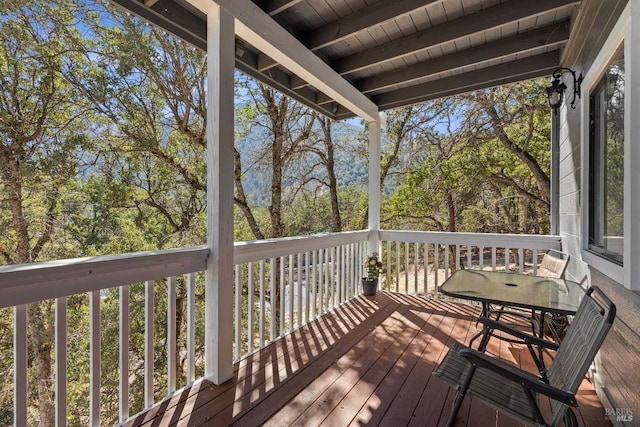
(570, 419)
(456, 407)
(462, 391)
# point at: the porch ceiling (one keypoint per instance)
(395, 53)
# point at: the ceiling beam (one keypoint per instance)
(360, 20)
(166, 14)
(509, 72)
(486, 19)
(548, 36)
(259, 30)
(171, 17)
(283, 82)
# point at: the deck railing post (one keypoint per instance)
(375, 131)
(220, 134)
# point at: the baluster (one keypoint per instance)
(273, 295)
(61, 361)
(94, 359)
(291, 292)
(436, 265)
(238, 311)
(307, 282)
(507, 256)
(446, 262)
(426, 269)
(343, 274)
(321, 281)
(388, 265)
(149, 309)
(282, 295)
(299, 309)
(171, 334)
(406, 267)
(314, 271)
(493, 258)
(416, 265)
(262, 307)
(191, 328)
(397, 246)
(333, 276)
(521, 259)
(124, 353)
(20, 363)
(250, 308)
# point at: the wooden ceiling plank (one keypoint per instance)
(261, 31)
(546, 36)
(463, 27)
(522, 69)
(274, 7)
(297, 82)
(265, 63)
(360, 20)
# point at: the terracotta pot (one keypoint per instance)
(369, 286)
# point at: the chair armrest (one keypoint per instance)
(527, 338)
(519, 376)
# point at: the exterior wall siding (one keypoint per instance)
(616, 372)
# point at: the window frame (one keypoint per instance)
(597, 169)
(618, 38)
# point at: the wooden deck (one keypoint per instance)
(367, 363)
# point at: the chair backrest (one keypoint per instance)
(553, 266)
(584, 337)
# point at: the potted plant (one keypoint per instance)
(373, 265)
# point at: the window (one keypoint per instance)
(606, 163)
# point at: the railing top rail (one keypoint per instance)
(264, 249)
(527, 241)
(26, 283)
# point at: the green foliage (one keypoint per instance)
(484, 166)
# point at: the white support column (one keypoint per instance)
(632, 150)
(375, 137)
(220, 121)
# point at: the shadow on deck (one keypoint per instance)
(368, 362)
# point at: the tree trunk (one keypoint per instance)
(542, 179)
(336, 220)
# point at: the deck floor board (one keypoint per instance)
(368, 362)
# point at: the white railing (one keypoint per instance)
(53, 283)
(419, 262)
(312, 275)
(284, 283)
(280, 285)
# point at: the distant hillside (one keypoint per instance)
(351, 165)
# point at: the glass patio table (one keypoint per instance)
(537, 293)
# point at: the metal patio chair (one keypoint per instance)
(514, 391)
